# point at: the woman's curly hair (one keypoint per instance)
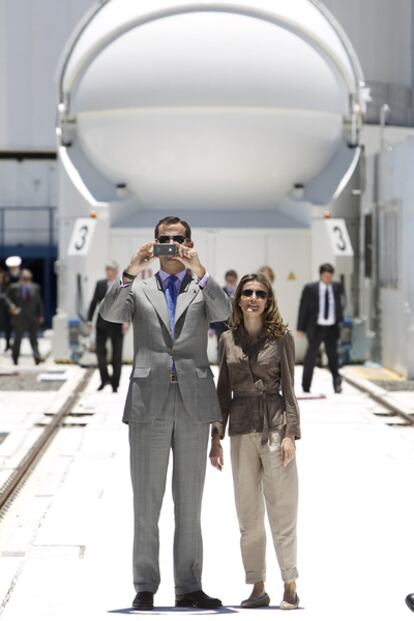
(274, 325)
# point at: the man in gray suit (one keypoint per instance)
(171, 401)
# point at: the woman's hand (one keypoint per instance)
(216, 454)
(288, 449)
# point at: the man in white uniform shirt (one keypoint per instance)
(320, 315)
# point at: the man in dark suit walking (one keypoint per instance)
(26, 308)
(107, 330)
(320, 315)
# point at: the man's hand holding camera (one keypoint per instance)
(141, 259)
(185, 254)
(189, 258)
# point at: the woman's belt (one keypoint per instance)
(261, 394)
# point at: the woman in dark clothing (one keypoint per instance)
(256, 394)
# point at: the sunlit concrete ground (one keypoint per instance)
(26, 356)
(66, 542)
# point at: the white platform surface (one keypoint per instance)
(65, 545)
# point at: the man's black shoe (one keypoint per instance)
(197, 599)
(102, 386)
(409, 600)
(338, 385)
(144, 600)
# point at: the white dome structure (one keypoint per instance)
(210, 104)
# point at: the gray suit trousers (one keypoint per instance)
(150, 446)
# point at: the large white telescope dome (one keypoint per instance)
(210, 104)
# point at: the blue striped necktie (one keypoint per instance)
(171, 295)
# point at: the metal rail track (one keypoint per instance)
(13, 484)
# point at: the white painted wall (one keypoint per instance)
(398, 304)
(3, 75)
(28, 182)
(287, 251)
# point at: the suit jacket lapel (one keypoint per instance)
(187, 294)
(155, 295)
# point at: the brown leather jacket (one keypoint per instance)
(256, 385)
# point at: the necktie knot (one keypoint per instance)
(171, 280)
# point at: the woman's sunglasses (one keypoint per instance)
(248, 293)
(167, 239)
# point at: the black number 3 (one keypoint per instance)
(341, 243)
(83, 233)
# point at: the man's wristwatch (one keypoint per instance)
(130, 276)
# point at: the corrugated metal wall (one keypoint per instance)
(380, 31)
(32, 35)
(382, 34)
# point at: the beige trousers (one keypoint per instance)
(260, 477)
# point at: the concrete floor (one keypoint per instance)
(65, 544)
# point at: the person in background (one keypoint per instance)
(107, 330)
(13, 265)
(26, 309)
(320, 316)
(4, 307)
(256, 395)
(268, 272)
(230, 284)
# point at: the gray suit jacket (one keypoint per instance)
(143, 304)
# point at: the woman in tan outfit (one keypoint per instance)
(256, 394)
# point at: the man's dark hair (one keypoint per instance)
(173, 220)
(231, 274)
(326, 267)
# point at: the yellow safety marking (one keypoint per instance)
(378, 374)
